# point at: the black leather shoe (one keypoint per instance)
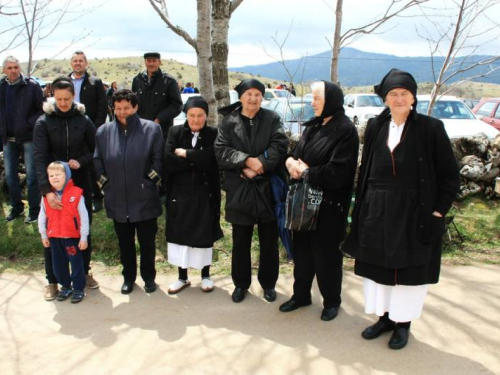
(270, 295)
(399, 338)
(292, 305)
(374, 331)
(150, 286)
(239, 295)
(127, 287)
(13, 215)
(97, 206)
(330, 313)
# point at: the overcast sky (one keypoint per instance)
(131, 27)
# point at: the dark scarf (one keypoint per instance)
(334, 104)
(243, 86)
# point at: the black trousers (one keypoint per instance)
(146, 235)
(314, 256)
(241, 267)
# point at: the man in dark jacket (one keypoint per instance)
(159, 97)
(21, 101)
(250, 145)
(89, 90)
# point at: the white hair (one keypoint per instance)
(319, 87)
(10, 59)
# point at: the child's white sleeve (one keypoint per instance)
(84, 220)
(42, 221)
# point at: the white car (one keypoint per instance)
(458, 119)
(362, 107)
(276, 93)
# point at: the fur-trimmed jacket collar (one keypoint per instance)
(50, 108)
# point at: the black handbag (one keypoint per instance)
(253, 198)
(302, 205)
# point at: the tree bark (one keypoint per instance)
(334, 69)
(204, 57)
(220, 17)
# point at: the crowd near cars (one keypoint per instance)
(461, 117)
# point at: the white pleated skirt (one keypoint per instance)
(189, 257)
(404, 303)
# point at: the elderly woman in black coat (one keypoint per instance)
(408, 180)
(327, 153)
(251, 144)
(193, 195)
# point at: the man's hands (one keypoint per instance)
(54, 203)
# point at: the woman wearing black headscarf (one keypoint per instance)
(193, 195)
(251, 143)
(408, 180)
(327, 153)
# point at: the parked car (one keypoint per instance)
(362, 107)
(488, 110)
(471, 103)
(276, 93)
(458, 119)
(293, 112)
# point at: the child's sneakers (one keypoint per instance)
(51, 291)
(77, 296)
(64, 293)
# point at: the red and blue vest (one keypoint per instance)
(65, 223)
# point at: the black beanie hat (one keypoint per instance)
(196, 102)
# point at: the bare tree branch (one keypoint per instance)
(163, 13)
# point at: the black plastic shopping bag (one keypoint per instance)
(302, 206)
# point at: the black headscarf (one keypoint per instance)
(243, 86)
(396, 79)
(334, 104)
(195, 102)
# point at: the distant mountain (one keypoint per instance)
(358, 68)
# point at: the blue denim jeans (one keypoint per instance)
(11, 153)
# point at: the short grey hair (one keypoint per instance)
(319, 87)
(76, 53)
(10, 59)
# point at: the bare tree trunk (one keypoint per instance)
(334, 69)
(220, 18)
(221, 14)
(204, 57)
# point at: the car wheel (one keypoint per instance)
(356, 121)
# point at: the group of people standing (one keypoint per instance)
(407, 181)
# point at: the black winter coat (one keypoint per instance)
(331, 152)
(438, 183)
(93, 97)
(193, 188)
(233, 147)
(126, 157)
(29, 101)
(61, 136)
(158, 98)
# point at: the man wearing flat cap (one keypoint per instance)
(159, 98)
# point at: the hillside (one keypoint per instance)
(356, 68)
(124, 69)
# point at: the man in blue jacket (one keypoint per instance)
(21, 101)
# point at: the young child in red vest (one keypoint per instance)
(65, 231)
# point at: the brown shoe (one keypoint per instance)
(51, 291)
(90, 282)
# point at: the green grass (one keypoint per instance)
(21, 249)
(477, 219)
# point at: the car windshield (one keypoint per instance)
(281, 93)
(302, 111)
(447, 109)
(369, 101)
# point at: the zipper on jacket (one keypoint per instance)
(125, 171)
(67, 141)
